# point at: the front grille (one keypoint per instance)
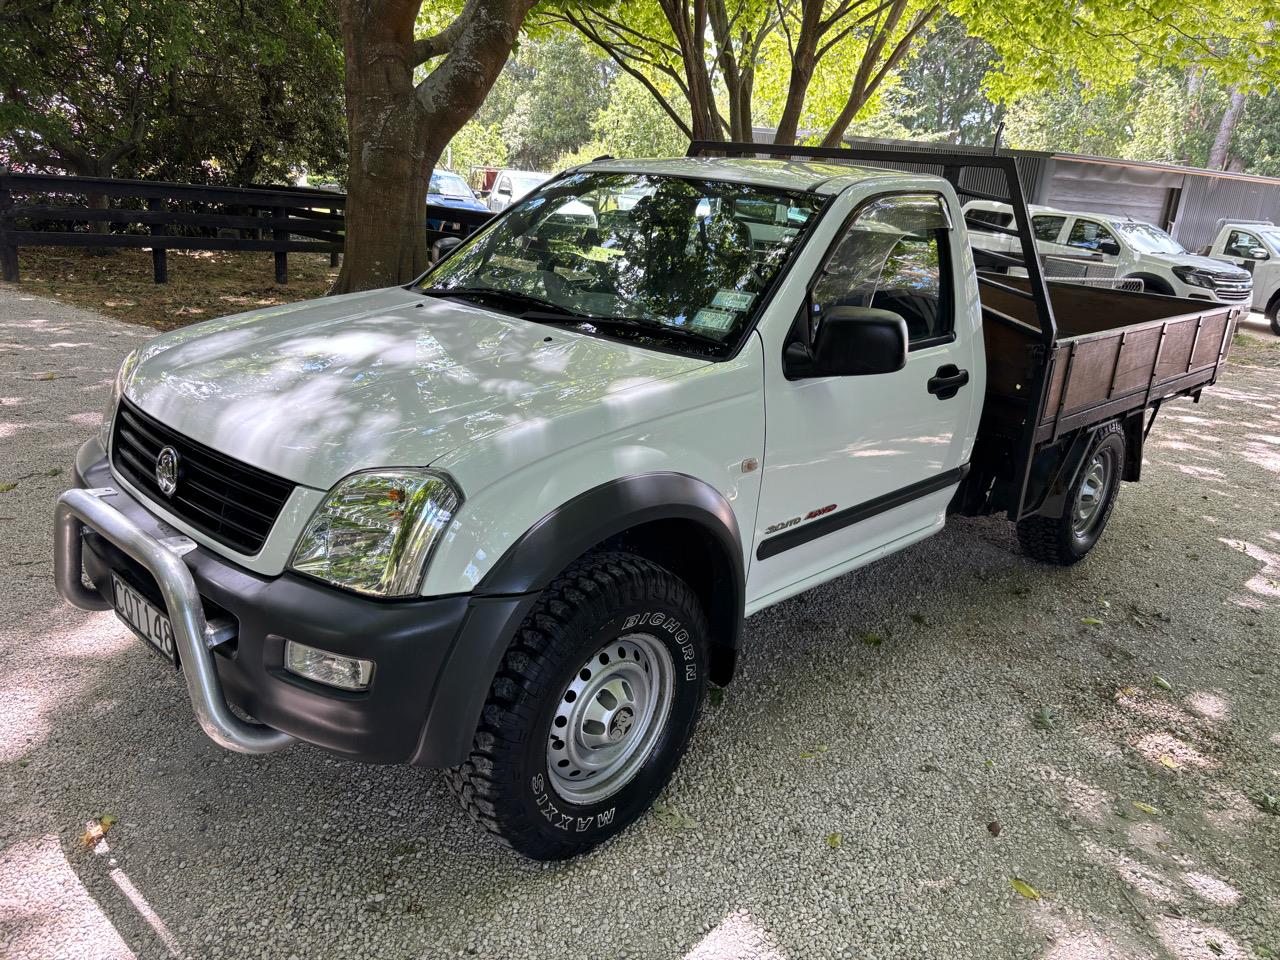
(1233, 291)
(230, 502)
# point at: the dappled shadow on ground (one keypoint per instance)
(899, 746)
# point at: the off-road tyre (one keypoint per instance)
(605, 604)
(1273, 314)
(1062, 540)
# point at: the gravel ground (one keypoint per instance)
(901, 744)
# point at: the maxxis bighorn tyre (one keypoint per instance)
(1068, 538)
(591, 709)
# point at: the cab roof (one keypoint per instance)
(812, 176)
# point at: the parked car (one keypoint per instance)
(449, 189)
(1131, 248)
(508, 519)
(1254, 245)
(510, 185)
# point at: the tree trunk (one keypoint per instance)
(1221, 149)
(386, 241)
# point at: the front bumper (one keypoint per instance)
(434, 658)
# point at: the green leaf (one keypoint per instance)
(715, 696)
(673, 819)
(6, 487)
(1024, 889)
(1163, 684)
(834, 840)
(1145, 808)
(1214, 946)
(872, 639)
(1043, 717)
(1091, 622)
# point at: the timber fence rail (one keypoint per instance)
(48, 210)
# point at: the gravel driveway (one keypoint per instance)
(901, 744)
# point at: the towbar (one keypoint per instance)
(80, 508)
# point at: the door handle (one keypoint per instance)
(947, 381)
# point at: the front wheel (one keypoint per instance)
(1273, 315)
(1067, 538)
(591, 709)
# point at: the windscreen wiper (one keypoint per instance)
(625, 324)
(515, 301)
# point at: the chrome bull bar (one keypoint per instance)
(80, 508)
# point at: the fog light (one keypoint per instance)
(346, 673)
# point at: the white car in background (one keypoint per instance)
(510, 185)
(1128, 249)
(1254, 245)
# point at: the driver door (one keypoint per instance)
(855, 464)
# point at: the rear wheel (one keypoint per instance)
(591, 709)
(1273, 314)
(1067, 538)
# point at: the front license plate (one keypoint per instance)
(145, 619)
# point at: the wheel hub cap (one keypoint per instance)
(1092, 491)
(609, 717)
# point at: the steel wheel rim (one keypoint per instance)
(1087, 508)
(609, 717)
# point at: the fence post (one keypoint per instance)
(159, 255)
(281, 234)
(8, 251)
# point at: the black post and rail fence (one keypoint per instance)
(48, 210)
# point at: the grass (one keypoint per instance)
(202, 284)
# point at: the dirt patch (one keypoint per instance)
(202, 284)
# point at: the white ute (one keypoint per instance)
(1123, 248)
(508, 520)
(1254, 245)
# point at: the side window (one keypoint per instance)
(1241, 244)
(1047, 228)
(1089, 235)
(975, 218)
(893, 256)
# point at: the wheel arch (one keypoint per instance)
(673, 519)
(1152, 283)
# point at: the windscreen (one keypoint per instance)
(450, 185)
(1148, 239)
(683, 263)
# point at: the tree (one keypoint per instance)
(941, 86)
(398, 125)
(665, 42)
(232, 90)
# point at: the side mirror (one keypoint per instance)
(851, 342)
(443, 247)
(1258, 253)
(504, 191)
(1109, 248)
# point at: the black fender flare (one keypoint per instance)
(504, 595)
(1152, 283)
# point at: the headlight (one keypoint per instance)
(1193, 276)
(375, 531)
(117, 389)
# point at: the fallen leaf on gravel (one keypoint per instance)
(47, 375)
(95, 829)
(187, 311)
(993, 828)
(1126, 692)
(674, 819)
(1162, 683)
(715, 696)
(1171, 763)
(1043, 718)
(917, 618)
(834, 840)
(119, 303)
(872, 639)
(6, 487)
(1269, 803)
(1145, 808)
(1025, 889)
(1215, 946)
(1091, 622)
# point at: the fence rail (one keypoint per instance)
(39, 210)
